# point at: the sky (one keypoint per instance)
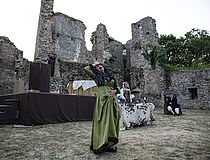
(19, 18)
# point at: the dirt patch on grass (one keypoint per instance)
(169, 138)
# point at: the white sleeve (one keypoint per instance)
(121, 94)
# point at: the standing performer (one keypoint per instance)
(105, 129)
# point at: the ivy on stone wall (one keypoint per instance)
(156, 55)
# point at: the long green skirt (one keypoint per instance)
(105, 129)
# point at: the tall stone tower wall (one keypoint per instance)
(44, 33)
(145, 81)
(143, 34)
(145, 31)
(100, 41)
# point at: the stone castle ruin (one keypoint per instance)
(61, 43)
(12, 66)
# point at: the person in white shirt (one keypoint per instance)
(125, 92)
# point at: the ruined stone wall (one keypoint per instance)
(62, 38)
(127, 61)
(68, 46)
(24, 71)
(116, 50)
(69, 39)
(100, 41)
(44, 42)
(148, 83)
(145, 81)
(184, 83)
(110, 50)
(143, 34)
(7, 65)
(70, 71)
(12, 66)
(145, 31)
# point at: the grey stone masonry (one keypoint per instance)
(127, 61)
(192, 88)
(145, 31)
(100, 41)
(108, 49)
(44, 33)
(8, 53)
(70, 71)
(69, 38)
(145, 81)
(116, 56)
(12, 66)
(143, 34)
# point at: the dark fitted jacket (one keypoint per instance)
(174, 103)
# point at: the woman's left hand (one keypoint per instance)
(112, 92)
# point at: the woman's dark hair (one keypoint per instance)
(102, 76)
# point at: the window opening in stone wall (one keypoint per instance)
(193, 93)
(124, 52)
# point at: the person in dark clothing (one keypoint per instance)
(172, 106)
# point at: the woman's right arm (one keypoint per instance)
(88, 70)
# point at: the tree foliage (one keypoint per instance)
(192, 50)
(155, 54)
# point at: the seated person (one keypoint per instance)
(172, 106)
(125, 92)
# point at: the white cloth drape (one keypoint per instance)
(86, 84)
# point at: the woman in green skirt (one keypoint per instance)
(105, 129)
